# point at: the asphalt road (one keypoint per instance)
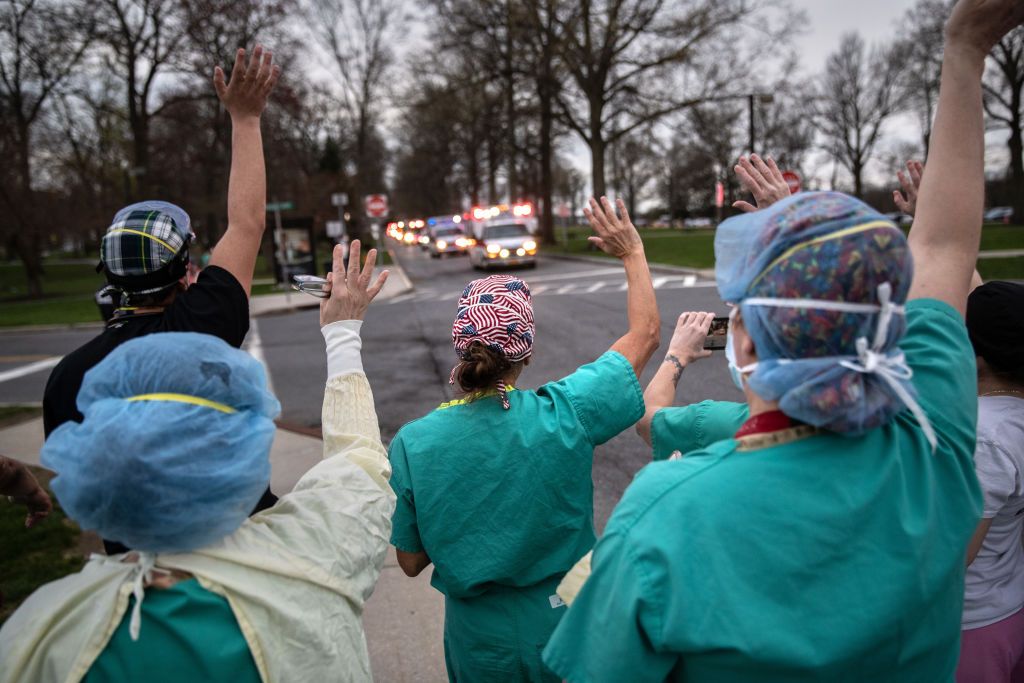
(580, 310)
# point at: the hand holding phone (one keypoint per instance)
(687, 342)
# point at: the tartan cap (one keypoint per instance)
(145, 248)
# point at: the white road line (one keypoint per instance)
(23, 370)
(689, 280)
(254, 345)
(534, 291)
(624, 286)
(659, 282)
(569, 276)
(565, 289)
(594, 287)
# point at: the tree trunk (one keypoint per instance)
(1017, 166)
(547, 217)
(597, 147)
(28, 252)
(857, 169)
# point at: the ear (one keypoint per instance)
(526, 361)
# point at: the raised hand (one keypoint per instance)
(761, 178)
(615, 236)
(687, 344)
(910, 182)
(351, 291)
(245, 96)
(977, 25)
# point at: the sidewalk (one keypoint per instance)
(404, 619)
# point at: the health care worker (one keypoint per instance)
(495, 488)
(825, 539)
(171, 455)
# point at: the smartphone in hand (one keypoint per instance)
(716, 335)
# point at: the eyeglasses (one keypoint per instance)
(312, 285)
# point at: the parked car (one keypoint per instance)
(999, 214)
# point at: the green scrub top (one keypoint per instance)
(691, 428)
(505, 497)
(187, 634)
(824, 558)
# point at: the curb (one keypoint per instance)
(396, 264)
(655, 267)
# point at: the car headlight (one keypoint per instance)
(520, 252)
(462, 242)
(441, 244)
(530, 245)
(424, 240)
(493, 248)
(504, 253)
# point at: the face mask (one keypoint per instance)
(730, 356)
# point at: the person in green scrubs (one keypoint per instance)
(495, 488)
(825, 538)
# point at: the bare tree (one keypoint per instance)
(1004, 104)
(922, 39)
(41, 44)
(358, 35)
(143, 37)
(857, 94)
(635, 61)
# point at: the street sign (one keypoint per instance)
(793, 180)
(719, 194)
(335, 228)
(376, 205)
(339, 199)
(375, 230)
(280, 206)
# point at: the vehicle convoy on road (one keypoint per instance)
(502, 242)
(446, 236)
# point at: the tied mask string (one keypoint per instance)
(892, 369)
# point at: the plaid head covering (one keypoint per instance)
(145, 248)
(497, 312)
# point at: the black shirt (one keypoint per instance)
(216, 304)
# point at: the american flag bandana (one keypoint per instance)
(143, 238)
(497, 312)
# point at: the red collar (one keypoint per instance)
(763, 423)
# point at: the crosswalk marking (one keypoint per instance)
(577, 288)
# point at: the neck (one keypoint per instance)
(758, 405)
(999, 386)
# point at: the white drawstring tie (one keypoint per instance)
(142, 573)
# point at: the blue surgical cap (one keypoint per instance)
(794, 269)
(174, 450)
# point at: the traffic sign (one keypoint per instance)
(793, 180)
(280, 206)
(376, 205)
(339, 199)
(335, 228)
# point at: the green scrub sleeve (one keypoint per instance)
(694, 427)
(405, 532)
(609, 631)
(940, 354)
(605, 395)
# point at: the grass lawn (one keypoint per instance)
(695, 248)
(31, 557)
